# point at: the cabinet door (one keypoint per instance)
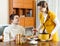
(29, 21)
(22, 21)
(17, 3)
(27, 3)
(29, 6)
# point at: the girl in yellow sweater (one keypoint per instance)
(48, 20)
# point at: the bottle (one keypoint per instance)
(17, 39)
(34, 31)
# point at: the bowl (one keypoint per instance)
(43, 36)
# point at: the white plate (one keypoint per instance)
(33, 42)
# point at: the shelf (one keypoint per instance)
(21, 12)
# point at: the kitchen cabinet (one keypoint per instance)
(26, 10)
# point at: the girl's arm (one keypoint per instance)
(56, 27)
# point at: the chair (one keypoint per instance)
(1, 32)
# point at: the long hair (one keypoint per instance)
(42, 3)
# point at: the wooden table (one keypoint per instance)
(27, 44)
